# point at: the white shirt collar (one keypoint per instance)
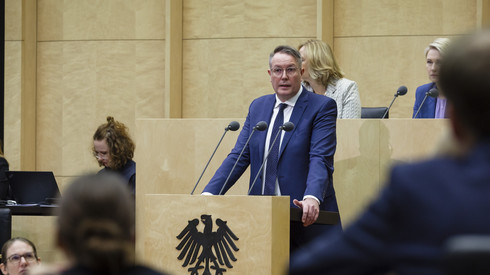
(292, 100)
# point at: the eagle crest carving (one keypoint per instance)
(208, 250)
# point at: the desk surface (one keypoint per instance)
(32, 210)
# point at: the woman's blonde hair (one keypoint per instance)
(439, 44)
(322, 64)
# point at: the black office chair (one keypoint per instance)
(467, 254)
(374, 112)
(5, 225)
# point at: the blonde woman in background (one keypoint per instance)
(323, 75)
(432, 107)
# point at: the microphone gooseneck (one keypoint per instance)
(402, 90)
(288, 126)
(260, 126)
(233, 126)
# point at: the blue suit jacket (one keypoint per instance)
(305, 164)
(428, 110)
(406, 228)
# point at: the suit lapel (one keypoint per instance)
(298, 111)
(265, 115)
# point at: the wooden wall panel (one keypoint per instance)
(249, 18)
(408, 141)
(356, 174)
(41, 231)
(418, 17)
(174, 152)
(224, 64)
(221, 77)
(13, 20)
(101, 20)
(81, 83)
(12, 106)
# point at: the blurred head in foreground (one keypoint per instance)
(96, 224)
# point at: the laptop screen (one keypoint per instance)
(33, 187)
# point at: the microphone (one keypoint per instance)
(432, 93)
(260, 126)
(288, 126)
(402, 90)
(233, 126)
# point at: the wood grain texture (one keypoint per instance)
(260, 223)
(220, 78)
(13, 20)
(249, 18)
(12, 105)
(81, 83)
(394, 18)
(101, 20)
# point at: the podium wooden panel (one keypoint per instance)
(260, 222)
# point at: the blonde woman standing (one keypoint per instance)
(323, 75)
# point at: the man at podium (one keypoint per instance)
(294, 157)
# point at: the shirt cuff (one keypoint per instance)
(311, 197)
(206, 194)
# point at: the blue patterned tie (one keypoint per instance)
(271, 169)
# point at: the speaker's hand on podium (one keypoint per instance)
(311, 209)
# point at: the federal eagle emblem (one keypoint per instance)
(212, 250)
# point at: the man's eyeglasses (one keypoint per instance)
(278, 72)
(29, 257)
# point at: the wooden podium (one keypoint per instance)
(261, 224)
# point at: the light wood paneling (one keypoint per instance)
(380, 65)
(81, 83)
(173, 59)
(174, 152)
(418, 17)
(41, 231)
(222, 80)
(13, 20)
(12, 119)
(414, 140)
(28, 86)
(101, 20)
(249, 18)
(261, 224)
(356, 174)
(484, 12)
(324, 24)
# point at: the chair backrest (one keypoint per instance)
(5, 225)
(467, 254)
(374, 112)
